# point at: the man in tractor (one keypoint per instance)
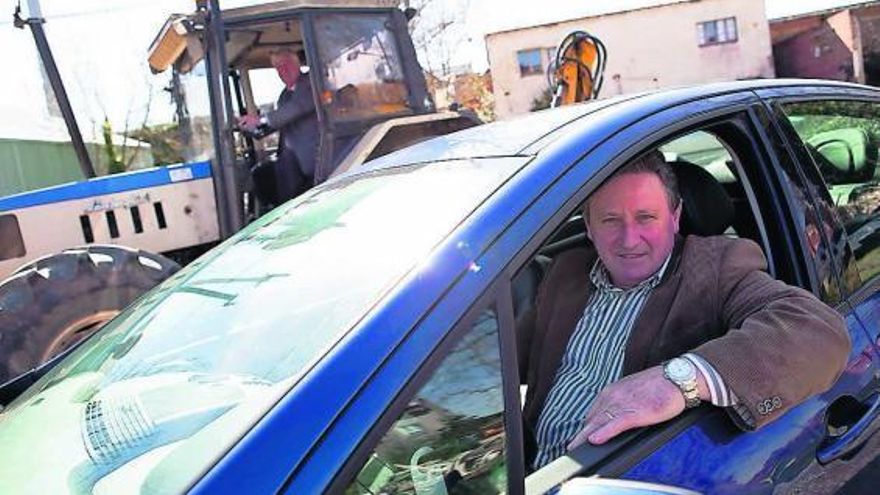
(297, 123)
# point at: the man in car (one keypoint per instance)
(297, 122)
(646, 324)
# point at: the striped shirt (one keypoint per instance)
(594, 357)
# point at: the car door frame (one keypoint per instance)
(842, 387)
(808, 172)
(773, 176)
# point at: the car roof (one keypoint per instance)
(530, 133)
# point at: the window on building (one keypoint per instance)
(12, 245)
(717, 31)
(530, 62)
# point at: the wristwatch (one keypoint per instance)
(683, 374)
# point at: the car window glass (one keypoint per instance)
(703, 149)
(450, 437)
(842, 138)
(714, 205)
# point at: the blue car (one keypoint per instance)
(361, 339)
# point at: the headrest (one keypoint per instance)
(706, 209)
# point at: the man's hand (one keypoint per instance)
(642, 399)
(249, 122)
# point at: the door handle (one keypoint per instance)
(847, 422)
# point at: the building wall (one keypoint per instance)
(647, 49)
(841, 44)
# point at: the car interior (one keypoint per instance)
(847, 159)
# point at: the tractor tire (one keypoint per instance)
(54, 302)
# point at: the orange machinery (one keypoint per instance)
(576, 72)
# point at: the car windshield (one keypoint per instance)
(164, 389)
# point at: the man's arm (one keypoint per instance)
(783, 345)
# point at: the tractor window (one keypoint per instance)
(361, 66)
(266, 88)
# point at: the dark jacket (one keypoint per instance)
(297, 123)
(771, 342)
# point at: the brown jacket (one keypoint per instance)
(774, 344)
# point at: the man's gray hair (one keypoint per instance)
(651, 162)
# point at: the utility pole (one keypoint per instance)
(35, 22)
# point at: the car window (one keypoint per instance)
(843, 138)
(717, 199)
(450, 437)
(704, 164)
(703, 149)
(700, 158)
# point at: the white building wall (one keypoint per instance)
(647, 49)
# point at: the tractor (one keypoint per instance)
(75, 255)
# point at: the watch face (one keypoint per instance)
(681, 370)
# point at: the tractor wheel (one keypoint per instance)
(52, 303)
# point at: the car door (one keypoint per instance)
(702, 450)
(834, 140)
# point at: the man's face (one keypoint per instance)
(287, 65)
(632, 226)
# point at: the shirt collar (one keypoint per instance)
(602, 280)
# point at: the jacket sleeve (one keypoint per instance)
(782, 345)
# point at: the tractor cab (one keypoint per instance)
(368, 88)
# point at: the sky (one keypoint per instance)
(100, 48)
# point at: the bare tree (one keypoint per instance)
(438, 32)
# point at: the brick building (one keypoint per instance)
(841, 43)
